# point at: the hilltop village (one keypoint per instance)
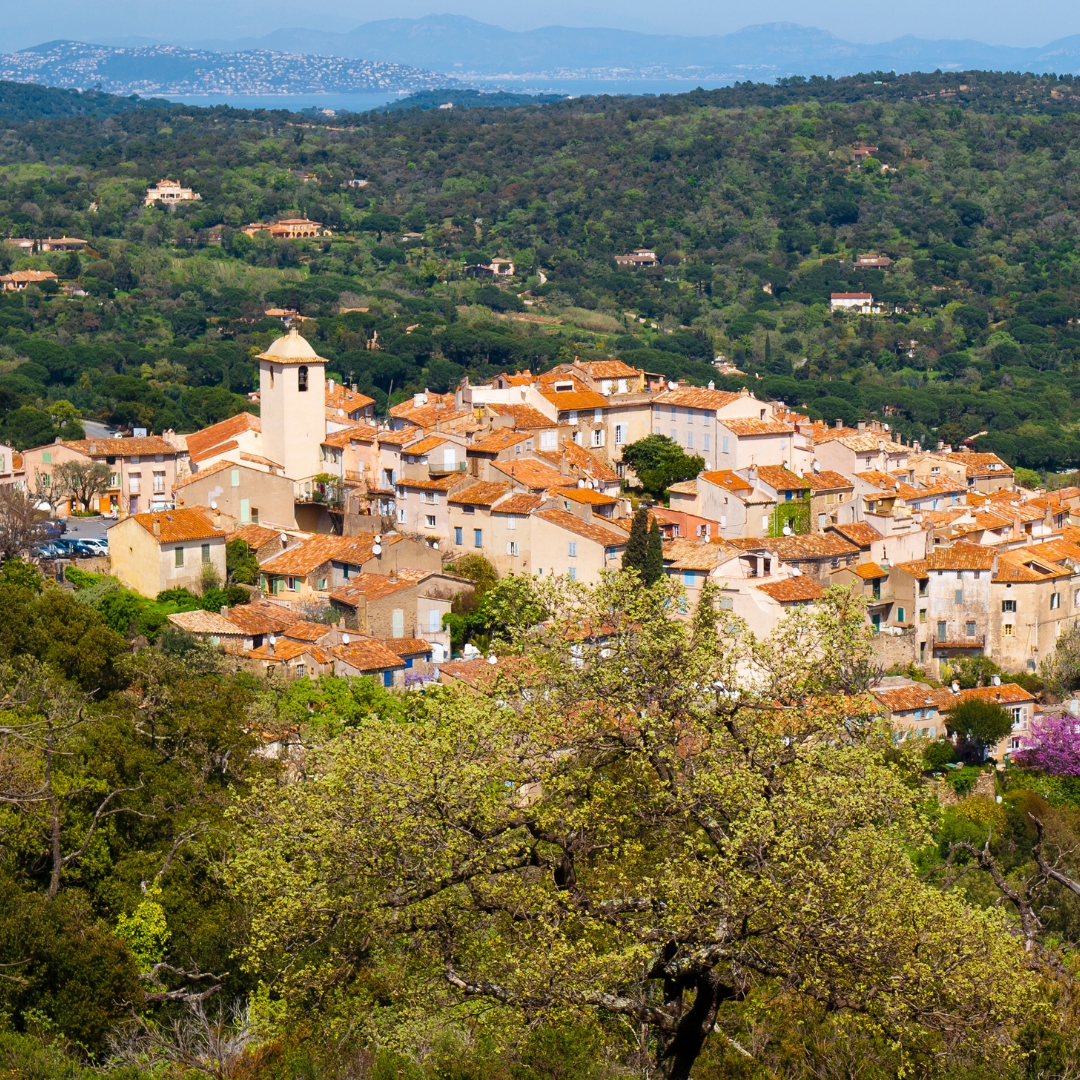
(357, 524)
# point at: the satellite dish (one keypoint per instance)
(378, 538)
(787, 530)
(376, 549)
(213, 506)
(345, 639)
(273, 639)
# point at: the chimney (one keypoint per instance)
(157, 528)
(861, 426)
(354, 388)
(955, 687)
(224, 611)
(712, 385)
(330, 385)
(839, 423)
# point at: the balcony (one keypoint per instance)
(447, 469)
(955, 641)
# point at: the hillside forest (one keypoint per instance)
(750, 197)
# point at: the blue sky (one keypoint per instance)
(1000, 22)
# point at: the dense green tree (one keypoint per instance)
(636, 552)
(660, 462)
(654, 555)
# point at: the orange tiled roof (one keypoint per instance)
(376, 586)
(857, 532)
(407, 646)
(176, 526)
(435, 483)
(218, 466)
(205, 622)
(309, 555)
(285, 650)
(694, 397)
(609, 369)
(531, 473)
(870, 570)
(910, 698)
(814, 546)
(307, 631)
(583, 495)
(728, 479)
(143, 446)
(255, 535)
(1005, 694)
(572, 523)
(367, 654)
(776, 476)
(425, 445)
(498, 440)
(524, 416)
(349, 400)
(579, 400)
(518, 503)
(482, 493)
(961, 556)
(356, 433)
(584, 460)
(202, 443)
(745, 426)
(255, 618)
(917, 568)
(793, 589)
(827, 480)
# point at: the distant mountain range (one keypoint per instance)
(173, 70)
(463, 46)
(408, 55)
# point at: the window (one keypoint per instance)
(402, 515)
(1076, 598)
(46, 458)
(294, 584)
(674, 413)
(46, 480)
(431, 497)
(322, 584)
(478, 537)
(397, 622)
(689, 416)
(657, 411)
(619, 435)
(549, 440)
(511, 547)
(457, 535)
(610, 552)
(1007, 630)
(674, 435)
(301, 378)
(576, 438)
(924, 588)
(707, 442)
(300, 669)
(1017, 715)
(114, 479)
(1055, 601)
(598, 437)
(958, 595)
(969, 628)
(255, 515)
(598, 416)
(922, 615)
(511, 521)
(571, 549)
(468, 509)
(724, 444)
(234, 478)
(206, 554)
(573, 416)
(689, 440)
(434, 621)
(134, 483)
(900, 613)
(572, 573)
(821, 521)
(159, 483)
(429, 521)
(689, 578)
(941, 631)
(178, 556)
(765, 521)
(245, 511)
(1008, 605)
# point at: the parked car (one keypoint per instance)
(49, 551)
(95, 546)
(54, 529)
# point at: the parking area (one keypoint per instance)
(86, 528)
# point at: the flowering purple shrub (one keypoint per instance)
(1055, 746)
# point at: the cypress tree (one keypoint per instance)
(637, 544)
(654, 556)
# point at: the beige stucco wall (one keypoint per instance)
(146, 566)
(268, 498)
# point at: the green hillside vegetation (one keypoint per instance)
(748, 195)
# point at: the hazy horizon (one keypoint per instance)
(996, 22)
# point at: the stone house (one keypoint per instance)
(155, 551)
(241, 494)
(689, 416)
(959, 599)
(830, 499)
(563, 544)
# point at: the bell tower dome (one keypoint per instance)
(292, 395)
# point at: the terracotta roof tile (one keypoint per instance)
(482, 493)
(205, 622)
(961, 556)
(910, 698)
(609, 369)
(307, 631)
(518, 503)
(572, 523)
(689, 554)
(828, 480)
(917, 568)
(1005, 694)
(531, 473)
(407, 646)
(433, 483)
(425, 445)
(367, 654)
(376, 586)
(126, 448)
(218, 466)
(870, 570)
(793, 589)
(349, 400)
(355, 433)
(255, 535)
(255, 618)
(525, 416)
(203, 443)
(694, 397)
(285, 650)
(579, 400)
(176, 526)
(587, 496)
(776, 476)
(727, 479)
(815, 546)
(309, 555)
(857, 532)
(499, 440)
(684, 487)
(745, 427)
